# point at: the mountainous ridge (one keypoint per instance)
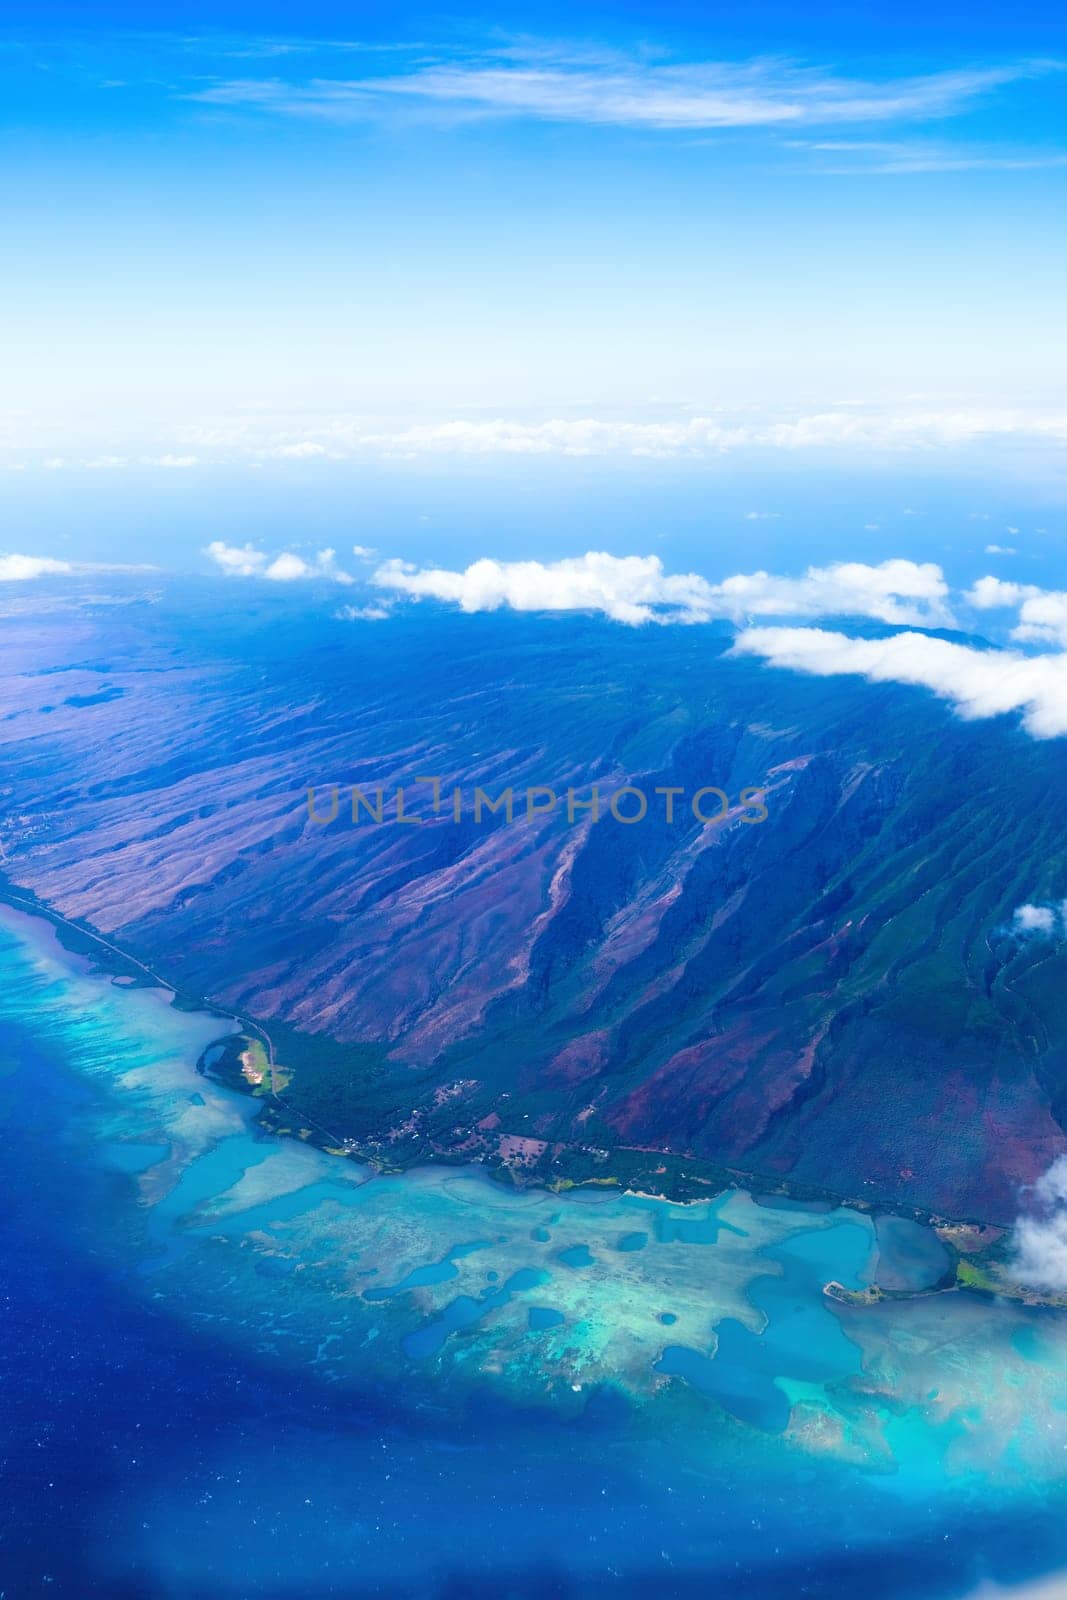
(833, 996)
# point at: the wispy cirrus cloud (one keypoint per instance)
(859, 157)
(566, 87)
(252, 47)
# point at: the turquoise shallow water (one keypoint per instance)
(236, 1366)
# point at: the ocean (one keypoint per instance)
(235, 1366)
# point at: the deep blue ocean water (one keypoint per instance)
(234, 1366)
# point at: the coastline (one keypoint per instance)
(694, 1183)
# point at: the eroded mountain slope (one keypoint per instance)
(832, 996)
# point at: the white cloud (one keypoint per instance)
(22, 569)
(631, 589)
(18, 569)
(364, 613)
(242, 561)
(1040, 1239)
(979, 683)
(762, 516)
(855, 428)
(846, 427)
(1041, 1251)
(1040, 1259)
(245, 561)
(306, 449)
(635, 589)
(286, 568)
(1051, 1187)
(988, 594)
(559, 87)
(1042, 612)
(1034, 919)
(364, 552)
(904, 592)
(1000, 550)
(1043, 619)
(899, 157)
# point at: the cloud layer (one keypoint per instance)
(635, 589)
(19, 569)
(23, 569)
(854, 428)
(308, 443)
(245, 561)
(979, 683)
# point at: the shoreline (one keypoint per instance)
(968, 1270)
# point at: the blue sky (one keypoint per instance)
(512, 274)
